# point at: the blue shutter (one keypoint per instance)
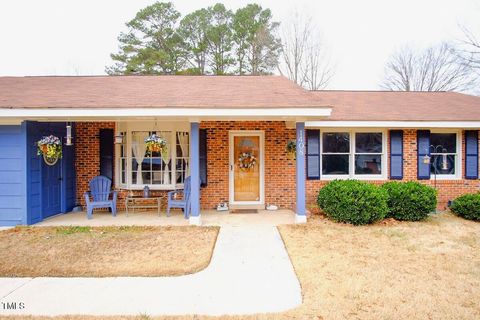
(423, 148)
(471, 154)
(396, 154)
(313, 154)
(203, 157)
(106, 153)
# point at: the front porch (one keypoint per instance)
(150, 218)
(208, 152)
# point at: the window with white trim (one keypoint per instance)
(444, 154)
(353, 154)
(159, 170)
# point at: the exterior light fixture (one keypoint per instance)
(444, 162)
(119, 138)
(426, 159)
(68, 138)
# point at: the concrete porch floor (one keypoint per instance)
(150, 218)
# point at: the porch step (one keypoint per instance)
(247, 206)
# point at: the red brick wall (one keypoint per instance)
(447, 189)
(87, 153)
(279, 170)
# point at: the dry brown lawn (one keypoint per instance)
(392, 270)
(105, 251)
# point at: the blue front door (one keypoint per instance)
(51, 186)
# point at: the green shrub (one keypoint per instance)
(410, 201)
(353, 201)
(467, 206)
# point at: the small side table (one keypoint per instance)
(139, 202)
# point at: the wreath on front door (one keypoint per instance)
(247, 161)
(50, 147)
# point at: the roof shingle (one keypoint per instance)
(153, 91)
(400, 106)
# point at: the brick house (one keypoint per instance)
(215, 124)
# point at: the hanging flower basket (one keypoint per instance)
(246, 161)
(155, 143)
(291, 149)
(50, 147)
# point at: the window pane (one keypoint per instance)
(181, 170)
(146, 165)
(335, 164)
(123, 145)
(336, 142)
(123, 169)
(134, 165)
(447, 141)
(134, 177)
(368, 142)
(182, 144)
(157, 164)
(445, 164)
(368, 164)
(158, 177)
(146, 177)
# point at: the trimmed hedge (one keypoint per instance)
(410, 201)
(353, 201)
(467, 206)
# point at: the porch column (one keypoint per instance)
(195, 173)
(300, 216)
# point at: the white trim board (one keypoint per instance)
(166, 113)
(393, 124)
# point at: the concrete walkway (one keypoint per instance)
(250, 272)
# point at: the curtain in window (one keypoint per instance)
(183, 140)
(138, 148)
(166, 159)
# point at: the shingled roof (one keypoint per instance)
(153, 91)
(235, 92)
(400, 106)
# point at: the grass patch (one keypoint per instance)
(401, 270)
(409, 270)
(105, 251)
(72, 230)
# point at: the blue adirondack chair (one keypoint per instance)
(100, 191)
(183, 203)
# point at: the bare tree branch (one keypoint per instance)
(438, 68)
(304, 57)
(469, 49)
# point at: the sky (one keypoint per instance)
(71, 37)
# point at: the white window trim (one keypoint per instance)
(128, 128)
(351, 154)
(458, 159)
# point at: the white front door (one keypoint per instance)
(246, 167)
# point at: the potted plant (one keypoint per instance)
(291, 149)
(50, 147)
(155, 143)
